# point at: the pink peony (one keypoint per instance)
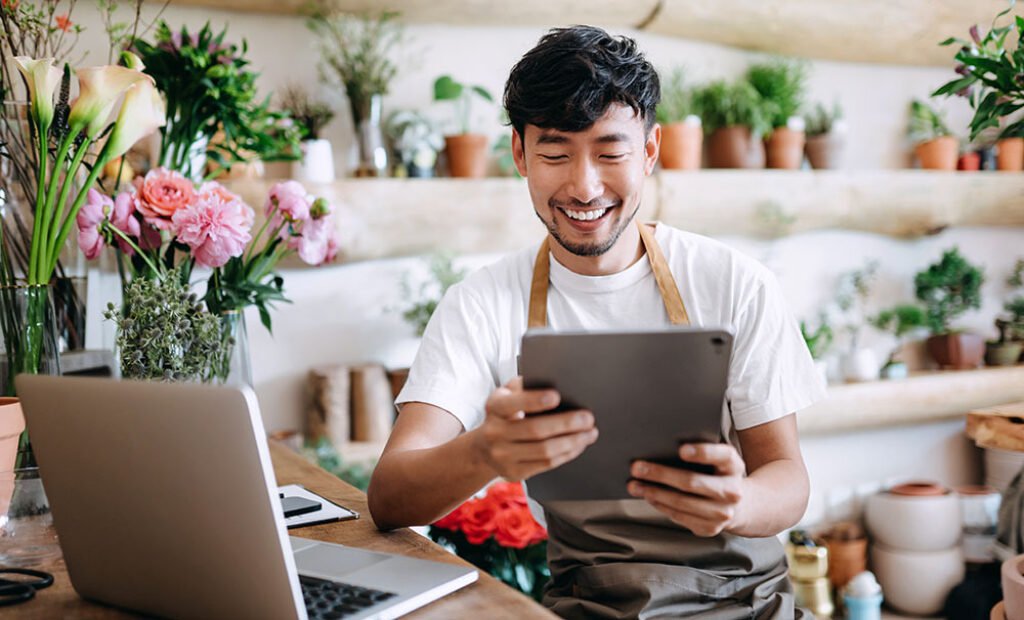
(160, 194)
(288, 199)
(215, 229)
(317, 242)
(227, 196)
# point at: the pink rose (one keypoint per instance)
(288, 199)
(92, 213)
(161, 194)
(215, 229)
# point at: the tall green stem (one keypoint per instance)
(46, 215)
(72, 172)
(35, 260)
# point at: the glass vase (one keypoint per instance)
(233, 366)
(27, 536)
(28, 333)
(373, 154)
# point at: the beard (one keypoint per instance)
(596, 248)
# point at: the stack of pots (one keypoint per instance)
(979, 506)
(916, 552)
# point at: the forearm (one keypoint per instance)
(417, 487)
(774, 498)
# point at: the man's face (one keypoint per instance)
(586, 186)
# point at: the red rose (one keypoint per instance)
(515, 528)
(507, 494)
(452, 520)
(478, 518)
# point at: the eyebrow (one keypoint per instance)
(554, 138)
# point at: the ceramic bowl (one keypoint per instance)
(917, 582)
(914, 522)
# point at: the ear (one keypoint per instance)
(651, 149)
(518, 153)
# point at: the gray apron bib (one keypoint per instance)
(624, 559)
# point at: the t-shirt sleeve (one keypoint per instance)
(453, 368)
(771, 373)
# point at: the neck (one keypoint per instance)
(626, 251)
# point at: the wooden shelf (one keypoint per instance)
(920, 398)
(381, 218)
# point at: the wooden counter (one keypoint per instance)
(488, 598)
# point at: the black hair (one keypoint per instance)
(568, 80)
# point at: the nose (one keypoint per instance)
(585, 182)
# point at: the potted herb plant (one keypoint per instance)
(416, 141)
(317, 163)
(781, 86)
(899, 321)
(948, 289)
(734, 120)
(818, 343)
(935, 146)
(824, 147)
(467, 152)
(356, 51)
(682, 138)
(988, 69)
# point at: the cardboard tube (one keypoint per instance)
(329, 412)
(373, 409)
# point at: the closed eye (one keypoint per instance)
(554, 157)
(614, 156)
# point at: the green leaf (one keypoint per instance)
(447, 89)
(480, 90)
(955, 86)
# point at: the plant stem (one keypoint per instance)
(47, 215)
(108, 226)
(35, 268)
(69, 178)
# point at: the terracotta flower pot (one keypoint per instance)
(681, 145)
(734, 147)
(1010, 154)
(938, 154)
(824, 152)
(785, 149)
(969, 162)
(847, 552)
(467, 155)
(957, 351)
(12, 423)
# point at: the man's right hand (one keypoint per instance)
(518, 445)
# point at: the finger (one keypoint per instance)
(725, 459)
(700, 527)
(551, 449)
(537, 466)
(721, 488)
(539, 428)
(513, 404)
(713, 511)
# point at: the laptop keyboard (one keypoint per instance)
(329, 600)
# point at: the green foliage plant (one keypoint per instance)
(677, 101)
(443, 275)
(820, 339)
(447, 89)
(729, 105)
(164, 333)
(781, 84)
(948, 289)
(820, 120)
(312, 115)
(899, 321)
(926, 123)
(989, 75)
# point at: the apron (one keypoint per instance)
(624, 559)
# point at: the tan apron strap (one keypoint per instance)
(538, 309)
(663, 276)
(538, 316)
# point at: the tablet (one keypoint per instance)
(649, 391)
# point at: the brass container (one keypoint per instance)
(815, 595)
(807, 563)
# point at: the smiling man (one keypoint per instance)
(582, 107)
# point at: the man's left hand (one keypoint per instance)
(705, 504)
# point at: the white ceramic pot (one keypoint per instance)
(1012, 576)
(860, 365)
(1001, 466)
(914, 523)
(917, 582)
(317, 163)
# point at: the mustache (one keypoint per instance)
(597, 203)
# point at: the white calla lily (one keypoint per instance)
(99, 90)
(42, 78)
(142, 113)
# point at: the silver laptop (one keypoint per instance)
(165, 503)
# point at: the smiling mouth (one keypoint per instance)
(585, 215)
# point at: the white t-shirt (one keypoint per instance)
(472, 342)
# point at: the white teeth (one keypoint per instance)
(585, 216)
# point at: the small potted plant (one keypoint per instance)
(416, 141)
(1015, 306)
(818, 342)
(467, 152)
(317, 163)
(899, 321)
(781, 86)
(948, 289)
(858, 363)
(734, 120)
(682, 138)
(935, 147)
(987, 76)
(825, 139)
(1005, 351)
